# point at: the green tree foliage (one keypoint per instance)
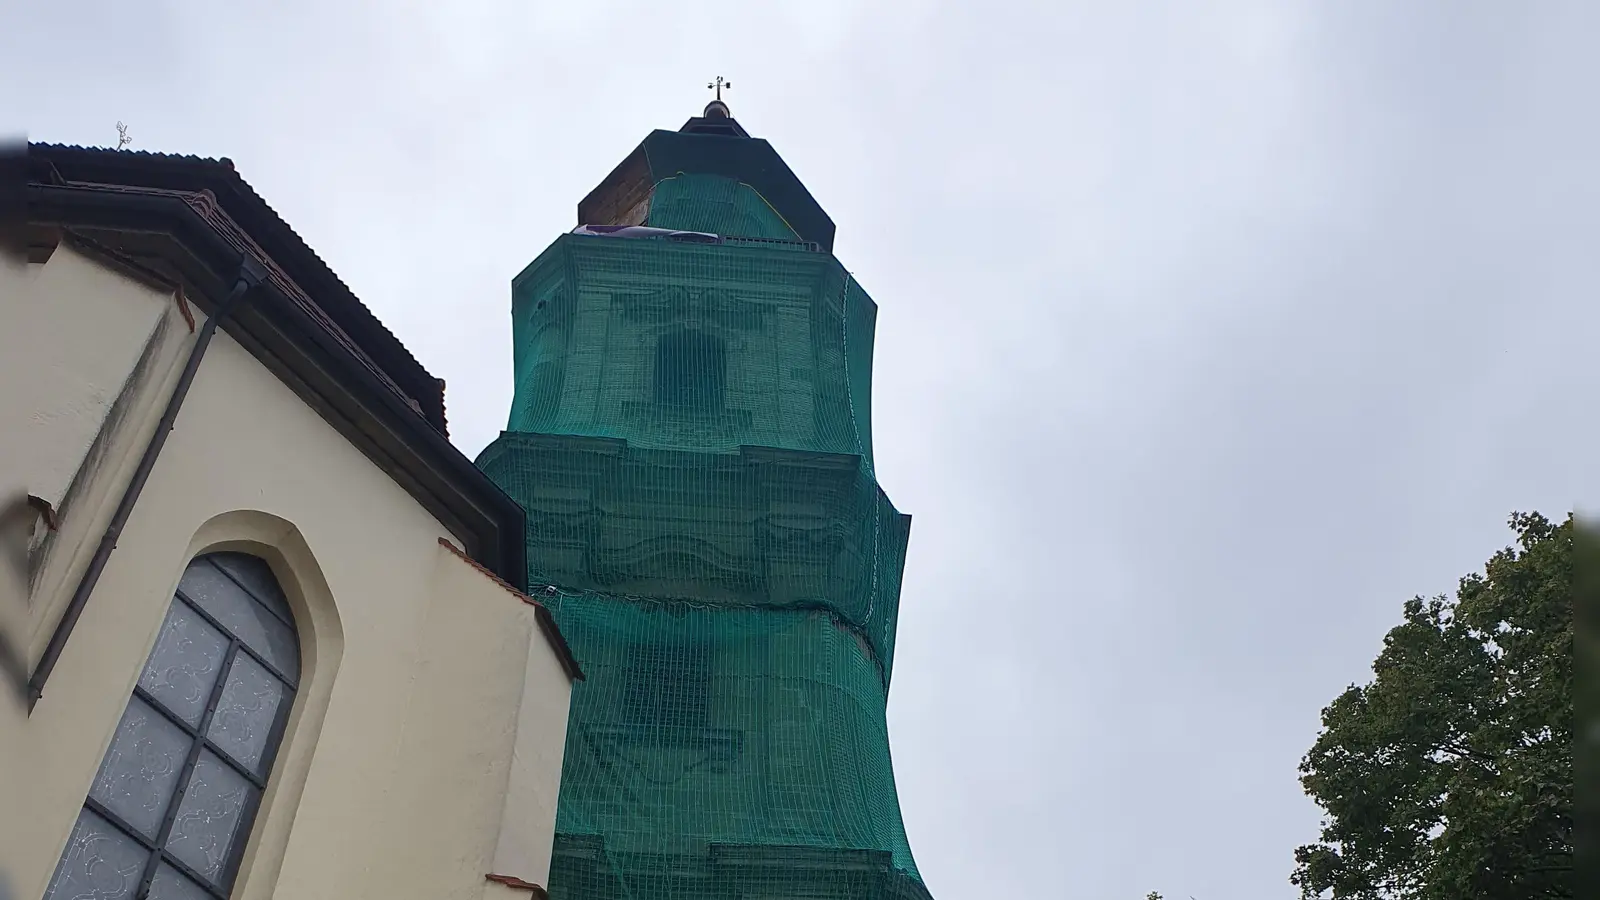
(1450, 776)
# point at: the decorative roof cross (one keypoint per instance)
(718, 85)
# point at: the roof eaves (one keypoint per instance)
(225, 183)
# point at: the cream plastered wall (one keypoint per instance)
(71, 334)
(83, 351)
(431, 714)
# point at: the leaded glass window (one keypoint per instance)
(170, 810)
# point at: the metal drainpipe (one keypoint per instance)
(251, 273)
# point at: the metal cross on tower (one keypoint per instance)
(718, 85)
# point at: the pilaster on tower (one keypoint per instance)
(691, 437)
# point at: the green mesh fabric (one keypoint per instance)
(700, 347)
(754, 528)
(691, 438)
(705, 729)
(717, 204)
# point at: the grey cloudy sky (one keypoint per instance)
(1208, 333)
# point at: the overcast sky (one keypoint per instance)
(1207, 336)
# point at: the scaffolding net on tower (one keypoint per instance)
(691, 437)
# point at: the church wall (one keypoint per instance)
(431, 713)
(74, 332)
(527, 830)
(98, 353)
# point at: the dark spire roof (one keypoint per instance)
(713, 143)
(717, 119)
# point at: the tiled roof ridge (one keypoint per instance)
(236, 181)
(205, 205)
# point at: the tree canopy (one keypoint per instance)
(1450, 775)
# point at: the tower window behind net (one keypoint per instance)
(666, 688)
(689, 373)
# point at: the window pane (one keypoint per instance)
(248, 620)
(208, 817)
(170, 884)
(245, 714)
(140, 771)
(183, 667)
(100, 863)
(254, 573)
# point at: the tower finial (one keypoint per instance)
(716, 109)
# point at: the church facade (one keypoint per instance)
(266, 633)
(263, 627)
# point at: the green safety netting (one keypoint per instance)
(716, 204)
(703, 729)
(699, 347)
(691, 438)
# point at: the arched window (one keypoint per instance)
(170, 810)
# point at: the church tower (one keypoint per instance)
(691, 436)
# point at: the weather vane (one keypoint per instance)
(122, 136)
(718, 85)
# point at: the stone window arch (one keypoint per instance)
(171, 807)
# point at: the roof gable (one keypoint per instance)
(212, 186)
